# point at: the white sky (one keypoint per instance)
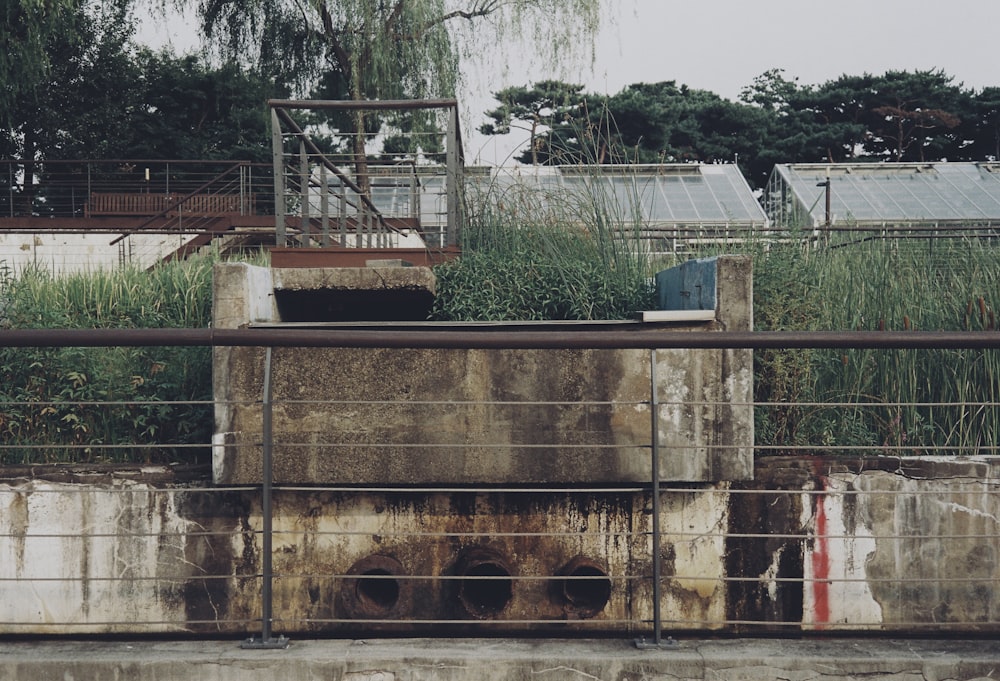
(722, 45)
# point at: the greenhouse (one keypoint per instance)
(672, 208)
(891, 197)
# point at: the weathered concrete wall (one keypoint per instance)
(900, 544)
(812, 544)
(372, 416)
(128, 556)
(81, 558)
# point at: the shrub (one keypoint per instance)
(117, 404)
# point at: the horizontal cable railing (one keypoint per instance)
(877, 540)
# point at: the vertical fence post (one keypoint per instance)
(267, 639)
(277, 163)
(654, 420)
(324, 204)
(453, 178)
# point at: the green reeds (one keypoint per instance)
(106, 404)
(915, 401)
(528, 254)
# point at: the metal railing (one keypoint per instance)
(817, 543)
(99, 213)
(373, 199)
(132, 188)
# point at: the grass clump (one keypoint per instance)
(94, 405)
(531, 256)
(899, 402)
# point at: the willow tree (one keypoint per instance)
(393, 49)
(26, 29)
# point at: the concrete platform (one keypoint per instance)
(486, 659)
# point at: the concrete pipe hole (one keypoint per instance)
(485, 587)
(585, 588)
(373, 588)
(377, 591)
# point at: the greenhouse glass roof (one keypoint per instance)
(674, 194)
(885, 193)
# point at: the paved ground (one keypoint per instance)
(487, 659)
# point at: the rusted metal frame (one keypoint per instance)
(353, 105)
(342, 216)
(453, 153)
(640, 336)
(415, 198)
(324, 208)
(316, 151)
(305, 182)
(454, 163)
(179, 202)
(267, 639)
(277, 164)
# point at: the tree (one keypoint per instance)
(78, 101)
(644, 123)
(912, 114)
(981, 127)
(545, 108)
(26, 29)
(389, 49)
(105, 98)
(185, 109)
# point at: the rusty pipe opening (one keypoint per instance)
(373, 589)
(485, 587)
(585, 587)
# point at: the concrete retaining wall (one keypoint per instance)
(812, 544)
(451, 416)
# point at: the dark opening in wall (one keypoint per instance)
(324, 305)
(584, 588)
(485, 587)
(374, 589)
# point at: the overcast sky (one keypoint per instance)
(722, 45)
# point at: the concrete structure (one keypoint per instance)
(811, 545)
(356, 416)
(896, 543)
(382, 540)
(503, 659)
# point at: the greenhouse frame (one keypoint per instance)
(670, 208)
(915, 198)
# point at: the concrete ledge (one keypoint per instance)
(485, 659)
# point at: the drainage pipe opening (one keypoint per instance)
(585, 587)
(373, 590)
(485, 587)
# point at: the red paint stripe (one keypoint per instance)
(820, 565)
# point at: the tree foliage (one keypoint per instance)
(917, 116)
(387, 49)
(384, 49)
(26, 29)
(105, 97)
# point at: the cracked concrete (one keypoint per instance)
(487, 659)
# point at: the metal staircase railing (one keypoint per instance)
(380, 200)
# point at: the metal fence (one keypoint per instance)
(142, 187)
(403, 190)
(817, 543)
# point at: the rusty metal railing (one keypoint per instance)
(374, 198)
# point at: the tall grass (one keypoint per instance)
(106, 404)
(921, 401)
(529, 254)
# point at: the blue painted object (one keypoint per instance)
(689, 286)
